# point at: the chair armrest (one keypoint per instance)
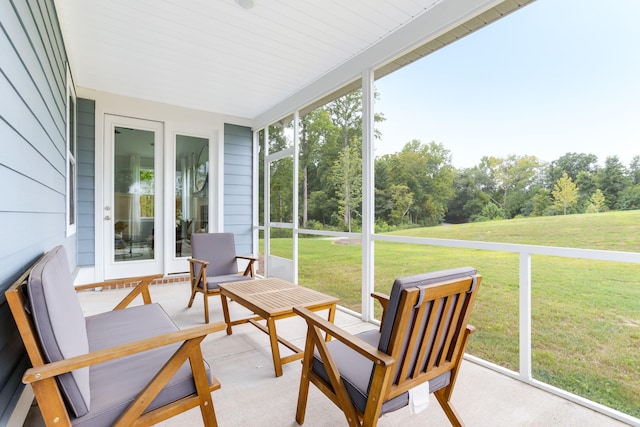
(248, 257)
(54, 369)
(353, 342)
(141, 288)
(198, 261)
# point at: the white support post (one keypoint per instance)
(525, 316)
(267, 202)
(255, 214)
(296, 166)
(368, 211)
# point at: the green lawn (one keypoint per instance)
(586, 314)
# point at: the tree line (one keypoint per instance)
(419, 186)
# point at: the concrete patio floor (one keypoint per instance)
(251, 395)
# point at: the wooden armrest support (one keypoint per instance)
(199, 261)
(471, 328)
(57, 368)
(249, 271)
(141, 288)
(384, 302)
(353, 342)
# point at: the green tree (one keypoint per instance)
(597, 202)
(629, 198)
(541, 201)
(316, 129)
(347, 178)
(587, 185)
(612, 179)
(402, 199)
(346, 115)
(565, 193)
(426, 170)
(469, 199)
(572, 164)
(634, 170)
(490, 212)
(510, 174)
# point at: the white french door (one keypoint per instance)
(133, 197)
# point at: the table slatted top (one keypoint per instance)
(274, 296)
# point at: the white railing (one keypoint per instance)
(525, 314)
(525, 252)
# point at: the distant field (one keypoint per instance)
(586, 314)
(618, 231)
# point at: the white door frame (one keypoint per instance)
(114, 269)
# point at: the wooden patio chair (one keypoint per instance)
(417, 351)
(214, 261)
(128, 366)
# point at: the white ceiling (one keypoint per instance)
(214, 55)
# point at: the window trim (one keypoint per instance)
(71, 188)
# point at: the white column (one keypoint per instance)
(255, 220)
(267, 202)
(368, 211)
(296, 159)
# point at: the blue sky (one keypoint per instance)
(557, 76)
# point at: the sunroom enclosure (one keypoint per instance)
(513, 337)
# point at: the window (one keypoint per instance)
(71, 201)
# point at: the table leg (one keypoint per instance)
(225, 312)
(275, 348)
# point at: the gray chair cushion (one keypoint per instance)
(60, 324)
(214, 281)
(356, 372)
(218, 249)
(115, 384)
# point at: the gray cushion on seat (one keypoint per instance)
(60, 324)
(356, 372)
(116, 383)
(214, 281)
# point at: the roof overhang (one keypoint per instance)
(260, 63)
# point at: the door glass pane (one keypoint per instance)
(134, 194)
(192, 191)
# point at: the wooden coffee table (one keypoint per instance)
(273, 299)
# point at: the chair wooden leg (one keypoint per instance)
(206, 308)
(451, 413)
(303, 393)
(193, 296)
(202, 387)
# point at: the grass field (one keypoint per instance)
(586, 314)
